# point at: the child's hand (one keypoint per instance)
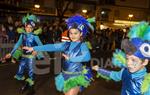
(2, 61)
(34, 53)
(7, 56)
(28, 48)
(65, 56)
(96, 68)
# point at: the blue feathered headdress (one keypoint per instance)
(141, 30)
(79, 23)
(30, 19)
(139, 35)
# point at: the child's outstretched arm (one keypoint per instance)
(19, 42)
(106, 74)
(17, 45)
(102, 72)
(48, 47)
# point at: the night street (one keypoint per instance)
(49, 46)
(45, 84)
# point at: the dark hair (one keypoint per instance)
(128, 47)
(74, 26)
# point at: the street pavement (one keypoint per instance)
(45, 84)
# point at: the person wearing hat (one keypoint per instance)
(28, 37)
(73, 74)
(132, 61)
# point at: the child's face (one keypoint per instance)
(134, 63)
(75, 35)
(28, 28)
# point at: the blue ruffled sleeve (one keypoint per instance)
(17, 45)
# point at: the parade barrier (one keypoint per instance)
(5, 46)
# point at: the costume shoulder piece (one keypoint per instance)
(119, 58)
(20, 30)
(37, 31)
(146, 84)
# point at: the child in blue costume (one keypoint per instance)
(28, 38)
(75, 52)
(135, 79)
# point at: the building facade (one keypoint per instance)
(122, 13)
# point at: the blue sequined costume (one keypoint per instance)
(73, 73)
(28, 60)
(131, 82)
(138, 45)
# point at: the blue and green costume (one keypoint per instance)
(137, 83)
(27, 60)
(73, 72)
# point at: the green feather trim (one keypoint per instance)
(74, 82)
(91, 20)
(29, 17)
(84, 71)
(119, 58)
(17, 54)
(30, 81)
(20, 30)
(38, 31)
(102, 76)
(146, 84)
(141, 30)
(25, 18)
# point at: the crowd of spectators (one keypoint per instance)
(106, 39)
